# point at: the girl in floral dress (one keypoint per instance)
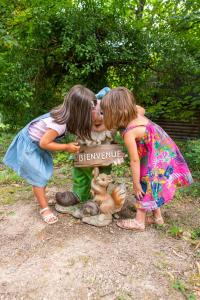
(157, 164)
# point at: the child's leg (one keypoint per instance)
(158, 216)
(156, 219)
(140, 216)
(47, 214)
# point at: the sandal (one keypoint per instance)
(131, 224)
(49, 218)
(153, 220)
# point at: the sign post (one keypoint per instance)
(97, 156)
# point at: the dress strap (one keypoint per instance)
(130, 128)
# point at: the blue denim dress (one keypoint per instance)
(26, 158)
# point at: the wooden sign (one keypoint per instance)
(101, 155)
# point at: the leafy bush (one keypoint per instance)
(191, 152)
(48, 46)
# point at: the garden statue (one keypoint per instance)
(97, 211)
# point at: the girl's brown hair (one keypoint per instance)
(119, 108)
(76, 111)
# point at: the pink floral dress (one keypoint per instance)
(162, 167)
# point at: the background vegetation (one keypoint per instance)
(150, 46)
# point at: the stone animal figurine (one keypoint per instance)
(63, 199)
(108, 203)
(99, 211)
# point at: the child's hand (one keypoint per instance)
(72, 147)
(139, 191)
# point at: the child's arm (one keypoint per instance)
(141, 110)
(131, 145)
(47, 142)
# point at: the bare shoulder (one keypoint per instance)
(139, 121)
(140, 110)
(136, 128)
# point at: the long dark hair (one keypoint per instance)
(76, 111)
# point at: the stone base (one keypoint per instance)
(77, 212)
(98, 220)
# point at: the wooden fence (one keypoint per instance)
(180, 129)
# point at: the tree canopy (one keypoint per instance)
(149, 46)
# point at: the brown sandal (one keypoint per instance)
(131, 224)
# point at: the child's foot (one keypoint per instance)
(154, 220)
(131, 224)
(48, 216)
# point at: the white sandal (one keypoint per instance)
(50, 218)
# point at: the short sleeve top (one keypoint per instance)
(37, 129)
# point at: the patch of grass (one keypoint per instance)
(195, 234)
(161, 264)
(11, 213)
(180, 286)
(10, 194)
(191, 297)
(191, 152)
(192, 190)
(62, 158)
(64, 170)
(59, 181)
(8, 176)
(85, 259)
(198, 253)
(125, 296)
(8, 200)
(121, 170)
(175, 231)
(194, 280)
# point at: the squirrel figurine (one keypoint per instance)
(108, 203)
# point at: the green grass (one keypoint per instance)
(175, 231)
(195, 234)
(8, 176)
(180, 286)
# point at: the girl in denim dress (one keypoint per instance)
(30, 152)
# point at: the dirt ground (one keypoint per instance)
(72, 260)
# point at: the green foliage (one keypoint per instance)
(191, 152)
(196, 234)
(180, 286)
(61, 158)
(191, 297)
(152, 47)
(8, 176)
(192, 190)
(175, 231)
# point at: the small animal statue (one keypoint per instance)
(108, 203)
(90, 208)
